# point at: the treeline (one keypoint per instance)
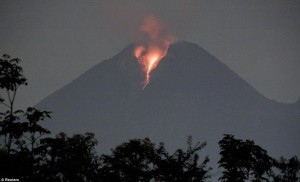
(28, 153)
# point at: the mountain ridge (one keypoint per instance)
(190, 93)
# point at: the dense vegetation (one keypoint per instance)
(29, 153)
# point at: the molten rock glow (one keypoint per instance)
(153, 46)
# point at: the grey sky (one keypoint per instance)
(59, 40)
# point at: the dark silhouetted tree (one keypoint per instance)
(289, 170)
(11, 78)
(69, 158)
(243, 160)
(131, 161)
(19, 130)
(24, 154)
(184, 165)
(142, 160)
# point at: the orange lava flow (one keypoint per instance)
(153, 44)
(149, 58)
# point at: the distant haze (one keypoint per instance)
(59, 40)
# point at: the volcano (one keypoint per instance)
(190, 93)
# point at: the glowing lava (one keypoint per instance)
(155, 43)
(149, 59)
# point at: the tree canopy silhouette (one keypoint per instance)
(243, 160)
(19, 129)
(142, 160)
(69, 158)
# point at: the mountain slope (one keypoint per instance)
(190, 93)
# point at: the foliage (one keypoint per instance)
(243, 160)
(19, 130)
(184, 165)
(69, 158)
(131, 161)
(289, 170)
(11, 76)
(141, 160)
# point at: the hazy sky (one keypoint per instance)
(59, 40)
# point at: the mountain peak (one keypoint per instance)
(190, 93)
